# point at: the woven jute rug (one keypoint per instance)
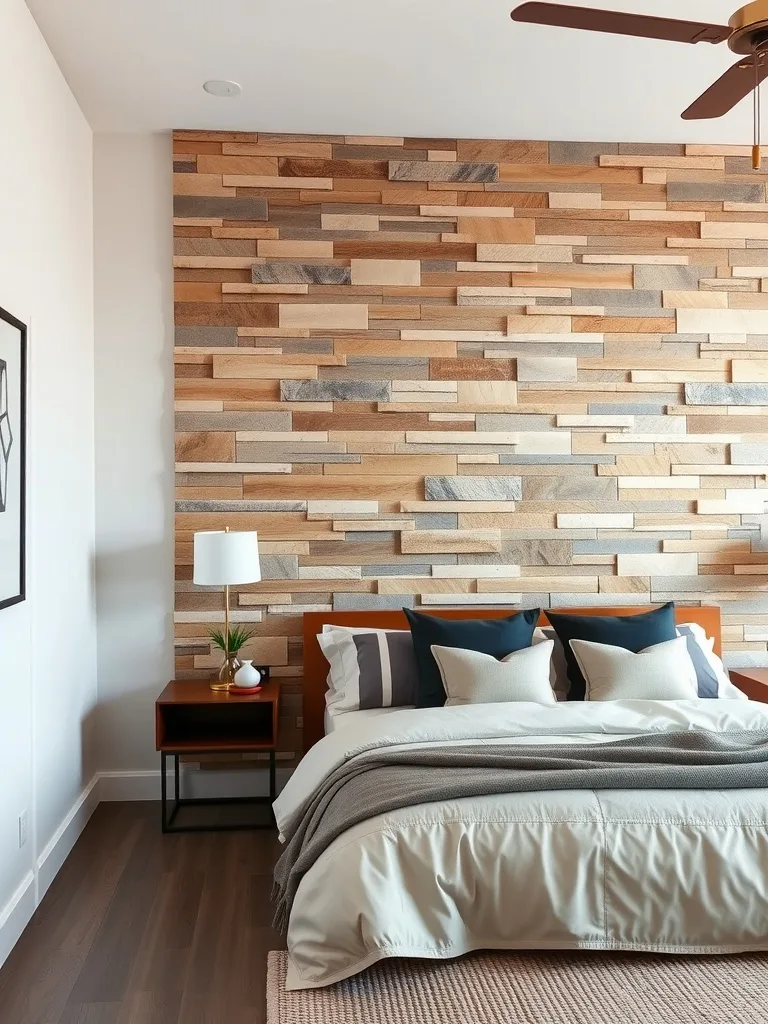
(534, 988)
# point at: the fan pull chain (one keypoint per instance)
(756, 154)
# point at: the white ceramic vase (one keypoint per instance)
(247, 675)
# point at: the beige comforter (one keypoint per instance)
(677, 871)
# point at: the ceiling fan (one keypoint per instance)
(746, 33)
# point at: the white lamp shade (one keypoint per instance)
(226, 558)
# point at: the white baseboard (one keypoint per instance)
(111, 786)
(145, 785)
(58, 848)
(16, 915)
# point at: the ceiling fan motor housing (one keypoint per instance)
(750, 28)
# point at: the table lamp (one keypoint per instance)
(224, 559)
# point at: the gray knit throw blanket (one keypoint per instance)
(386, 779)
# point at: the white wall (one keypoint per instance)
(48, 643)
(134, 450)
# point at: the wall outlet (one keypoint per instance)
(300, 722)
(22, 829)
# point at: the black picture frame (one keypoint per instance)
(19, 443)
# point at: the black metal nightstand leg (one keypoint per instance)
(272, 780)
(163, 792)
(176, 778)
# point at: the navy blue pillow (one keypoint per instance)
(497, 637)
(632, 632)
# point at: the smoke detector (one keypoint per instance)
(219, 87)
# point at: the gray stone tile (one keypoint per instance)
(570, 488)
(300, 273)
(241, 506)
(412, 569)
(371, 536)
(473, 488)
(534, 601)
(450, 449)
(618, 298)
(565, 600)
(660, 424)
(672, 278)
(437, 170)
(214, 247)
(584, 153)
(746, 659)
(253, 452)
(738, 165)
(205, 337)
(234, 208)
(316, 346)
(557, 460)
(726, 394)
(750, 455)
(685, 584)
(715, 192)
(438, 266)
(435, 520)
(335, 390)
(626, 409)
(279, 567)
(514, 421)
(611, 546)
(372, 602)
(529, 551)
(552, 469)
(279, 421)
(651, 149)
(523, 348)
(681, 505)
(407, 565)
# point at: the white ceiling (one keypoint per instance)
(394, 67)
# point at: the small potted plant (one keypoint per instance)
(230, 643)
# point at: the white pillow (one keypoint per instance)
(725, 688)
(662, 672)
(470, 677)
(369, 668)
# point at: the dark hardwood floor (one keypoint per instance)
(142, 928)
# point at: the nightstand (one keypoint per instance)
(752, 681)
(191, 718)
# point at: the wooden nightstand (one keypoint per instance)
(191, 718)
(752, 681)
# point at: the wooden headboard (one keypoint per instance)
(316, 667)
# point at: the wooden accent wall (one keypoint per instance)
(440, 372)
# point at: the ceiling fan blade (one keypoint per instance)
(737, 82)
(594, 20)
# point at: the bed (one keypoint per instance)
(665, 870)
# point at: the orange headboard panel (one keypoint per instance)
(316, 667)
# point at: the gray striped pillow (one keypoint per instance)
(369, 668)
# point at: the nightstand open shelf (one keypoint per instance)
(190, 718)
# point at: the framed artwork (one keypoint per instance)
(13, 430)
